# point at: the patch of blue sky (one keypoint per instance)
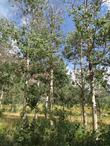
(4, 9)
(9, 12)
(68, 24)
(104, 9)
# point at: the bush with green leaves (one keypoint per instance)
(58, 132)
(43, 132)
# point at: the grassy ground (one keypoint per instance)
(9, 118)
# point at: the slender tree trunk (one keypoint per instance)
(1, 98)
(46, 106)
(51, 88)
(26, 87)
(47, 102)
(94, 109)
(50, 97)
(94, 106)
(84, 115)
(82, 99)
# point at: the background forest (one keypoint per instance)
(55, 78)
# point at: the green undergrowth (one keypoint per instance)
(52, 132)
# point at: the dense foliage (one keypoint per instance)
(38, 90)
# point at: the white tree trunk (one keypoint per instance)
(82, 87)
(94, 106)
(1, 98)
(47, 102)
(94, 109)
(51, 82)
(51, 88)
